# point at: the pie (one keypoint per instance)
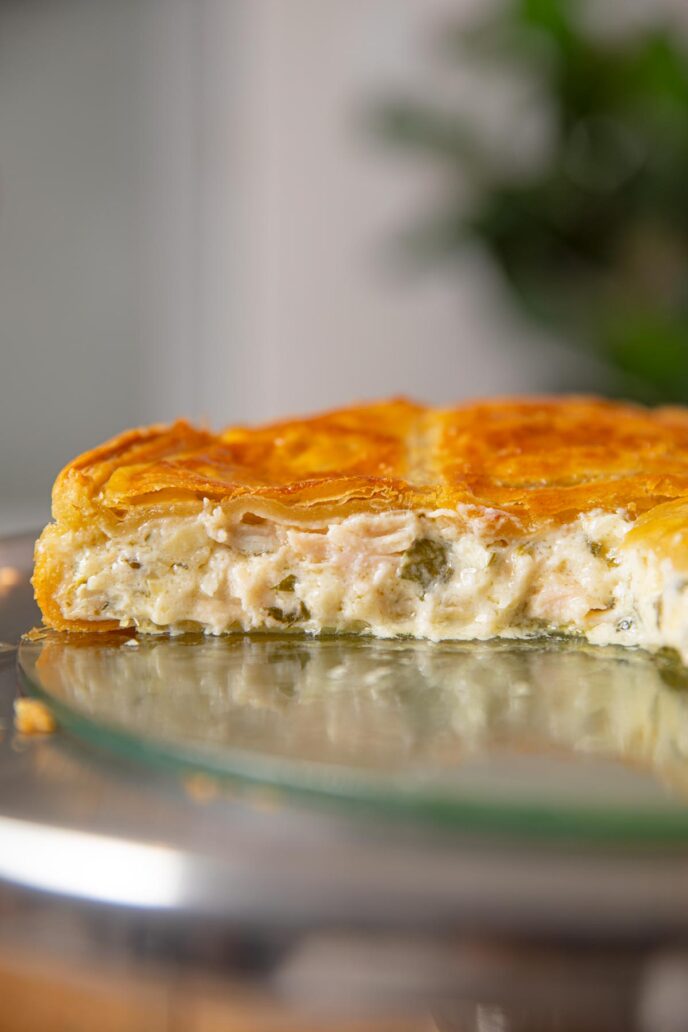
(507, 518)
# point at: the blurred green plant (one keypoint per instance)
(593, 236)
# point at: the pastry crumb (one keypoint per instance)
(32, 717)
(201, 788)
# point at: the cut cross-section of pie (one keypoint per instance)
(511, 518)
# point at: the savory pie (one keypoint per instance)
(510, 518)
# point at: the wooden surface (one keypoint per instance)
(50, 996)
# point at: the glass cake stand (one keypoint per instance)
(524, 740)
(353, 823)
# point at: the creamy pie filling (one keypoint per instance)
(436, 575)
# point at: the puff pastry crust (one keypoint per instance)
(527, 466)
(538, 459)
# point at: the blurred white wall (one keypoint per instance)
(69, 209)
(325, 316)
(193, 221)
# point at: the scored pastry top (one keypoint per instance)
(537, 460)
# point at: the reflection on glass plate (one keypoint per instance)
(561, 737)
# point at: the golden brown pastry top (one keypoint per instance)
(538, 460)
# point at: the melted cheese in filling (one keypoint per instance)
(434, 575)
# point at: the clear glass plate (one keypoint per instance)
(536, 738)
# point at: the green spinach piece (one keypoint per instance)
(426, 562)
(286, 584)
(302, 613)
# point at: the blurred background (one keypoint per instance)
(235, 210)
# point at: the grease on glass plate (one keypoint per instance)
(513, 736)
